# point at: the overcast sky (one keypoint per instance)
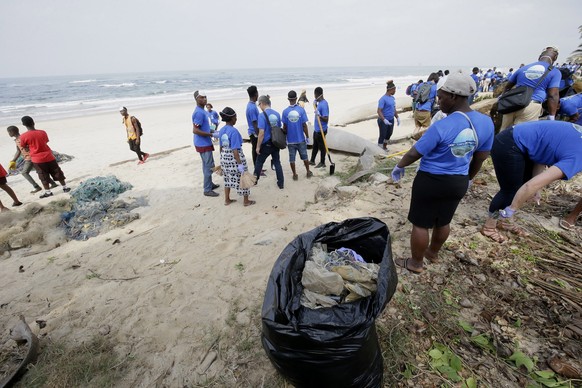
(67, 37)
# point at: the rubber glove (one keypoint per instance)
(387, 122)
(241, 168)
(317, 113)
(398, 121)
(550, 117)
(307, 141)
(507, 212)
(216, 135)
(397, 173)
(12, 165)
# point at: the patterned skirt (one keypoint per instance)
(230, 170)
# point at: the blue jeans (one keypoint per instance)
(207, 166)
(294, 148)
(268, 149)
(385, 131)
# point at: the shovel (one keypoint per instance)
(331, 164)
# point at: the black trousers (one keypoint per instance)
(135, 147)
(318, 146)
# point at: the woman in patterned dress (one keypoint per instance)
(232, 158)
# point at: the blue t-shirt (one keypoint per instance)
(476, 79)
(323, 109)
(427, 106)
(569, 106)
(553, 143)
(388, 105)
(448, 145)
(274, 120)
(230, 138)
(213, 116)
(294, 117)
(252, 115)
(529, 75)
(200, 119)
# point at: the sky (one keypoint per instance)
(70, 37)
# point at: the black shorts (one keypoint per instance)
(435, 198)
(49, 169)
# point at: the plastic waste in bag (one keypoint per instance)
(335, 346)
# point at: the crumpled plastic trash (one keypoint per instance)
(317, 279)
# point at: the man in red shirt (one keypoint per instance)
(4, 186)
(45, 164)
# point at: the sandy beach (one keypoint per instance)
(189, 256)
(183, 279)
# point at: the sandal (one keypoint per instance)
(566, 225)
(16, 203)
(249, 203)
(493, 234)
(404, 264)
(432, 259)
(513, 228)
(229, 202)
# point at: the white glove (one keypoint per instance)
(398, 121)
(241, 168)
(387, 122)
(550, 117)
(216, 135)
(307, 141)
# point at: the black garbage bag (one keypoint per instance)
(336, 346)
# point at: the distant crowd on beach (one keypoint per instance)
(539, 141)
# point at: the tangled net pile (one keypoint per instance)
(95, 208)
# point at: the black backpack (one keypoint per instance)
(409, 90)
(138, 124)
(423, 93)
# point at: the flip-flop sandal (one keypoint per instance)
(433, 260)
(493, 234)
(18, 203)
(566, 225)
(512, 228)
(404, 264)
(228, 203)
(249, 203)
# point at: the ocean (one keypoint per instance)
(46, 98)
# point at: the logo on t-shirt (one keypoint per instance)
(293, 116)
(224, 141)
(273, 120)
(535, 72)
(578, 128)
(464, 143)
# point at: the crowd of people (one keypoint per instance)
(532, 150)
(538, 143)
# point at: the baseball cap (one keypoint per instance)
(460, 84)
(199, 93)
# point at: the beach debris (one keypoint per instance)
(95, 208)
(116, 241)
(22, 334)
(565, 368)
(21, 269)
(339, 276)
(41, 323)
(326, 188)
(211, 356)
(347, 192)
(104, 330)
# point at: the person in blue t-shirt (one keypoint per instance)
(203, 142)
(265, 147)
(320, 126)
(295, 126)
(386, 115)
(531, 75)
(571, 108)
(252, 114)
(213, 117)
(424, 105)
(232, 158)
(451, 153)
(475, 77)
(520, 155)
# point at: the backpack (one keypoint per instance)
(278, 137)
(138, 124)
(423, 93)
(409, 90)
